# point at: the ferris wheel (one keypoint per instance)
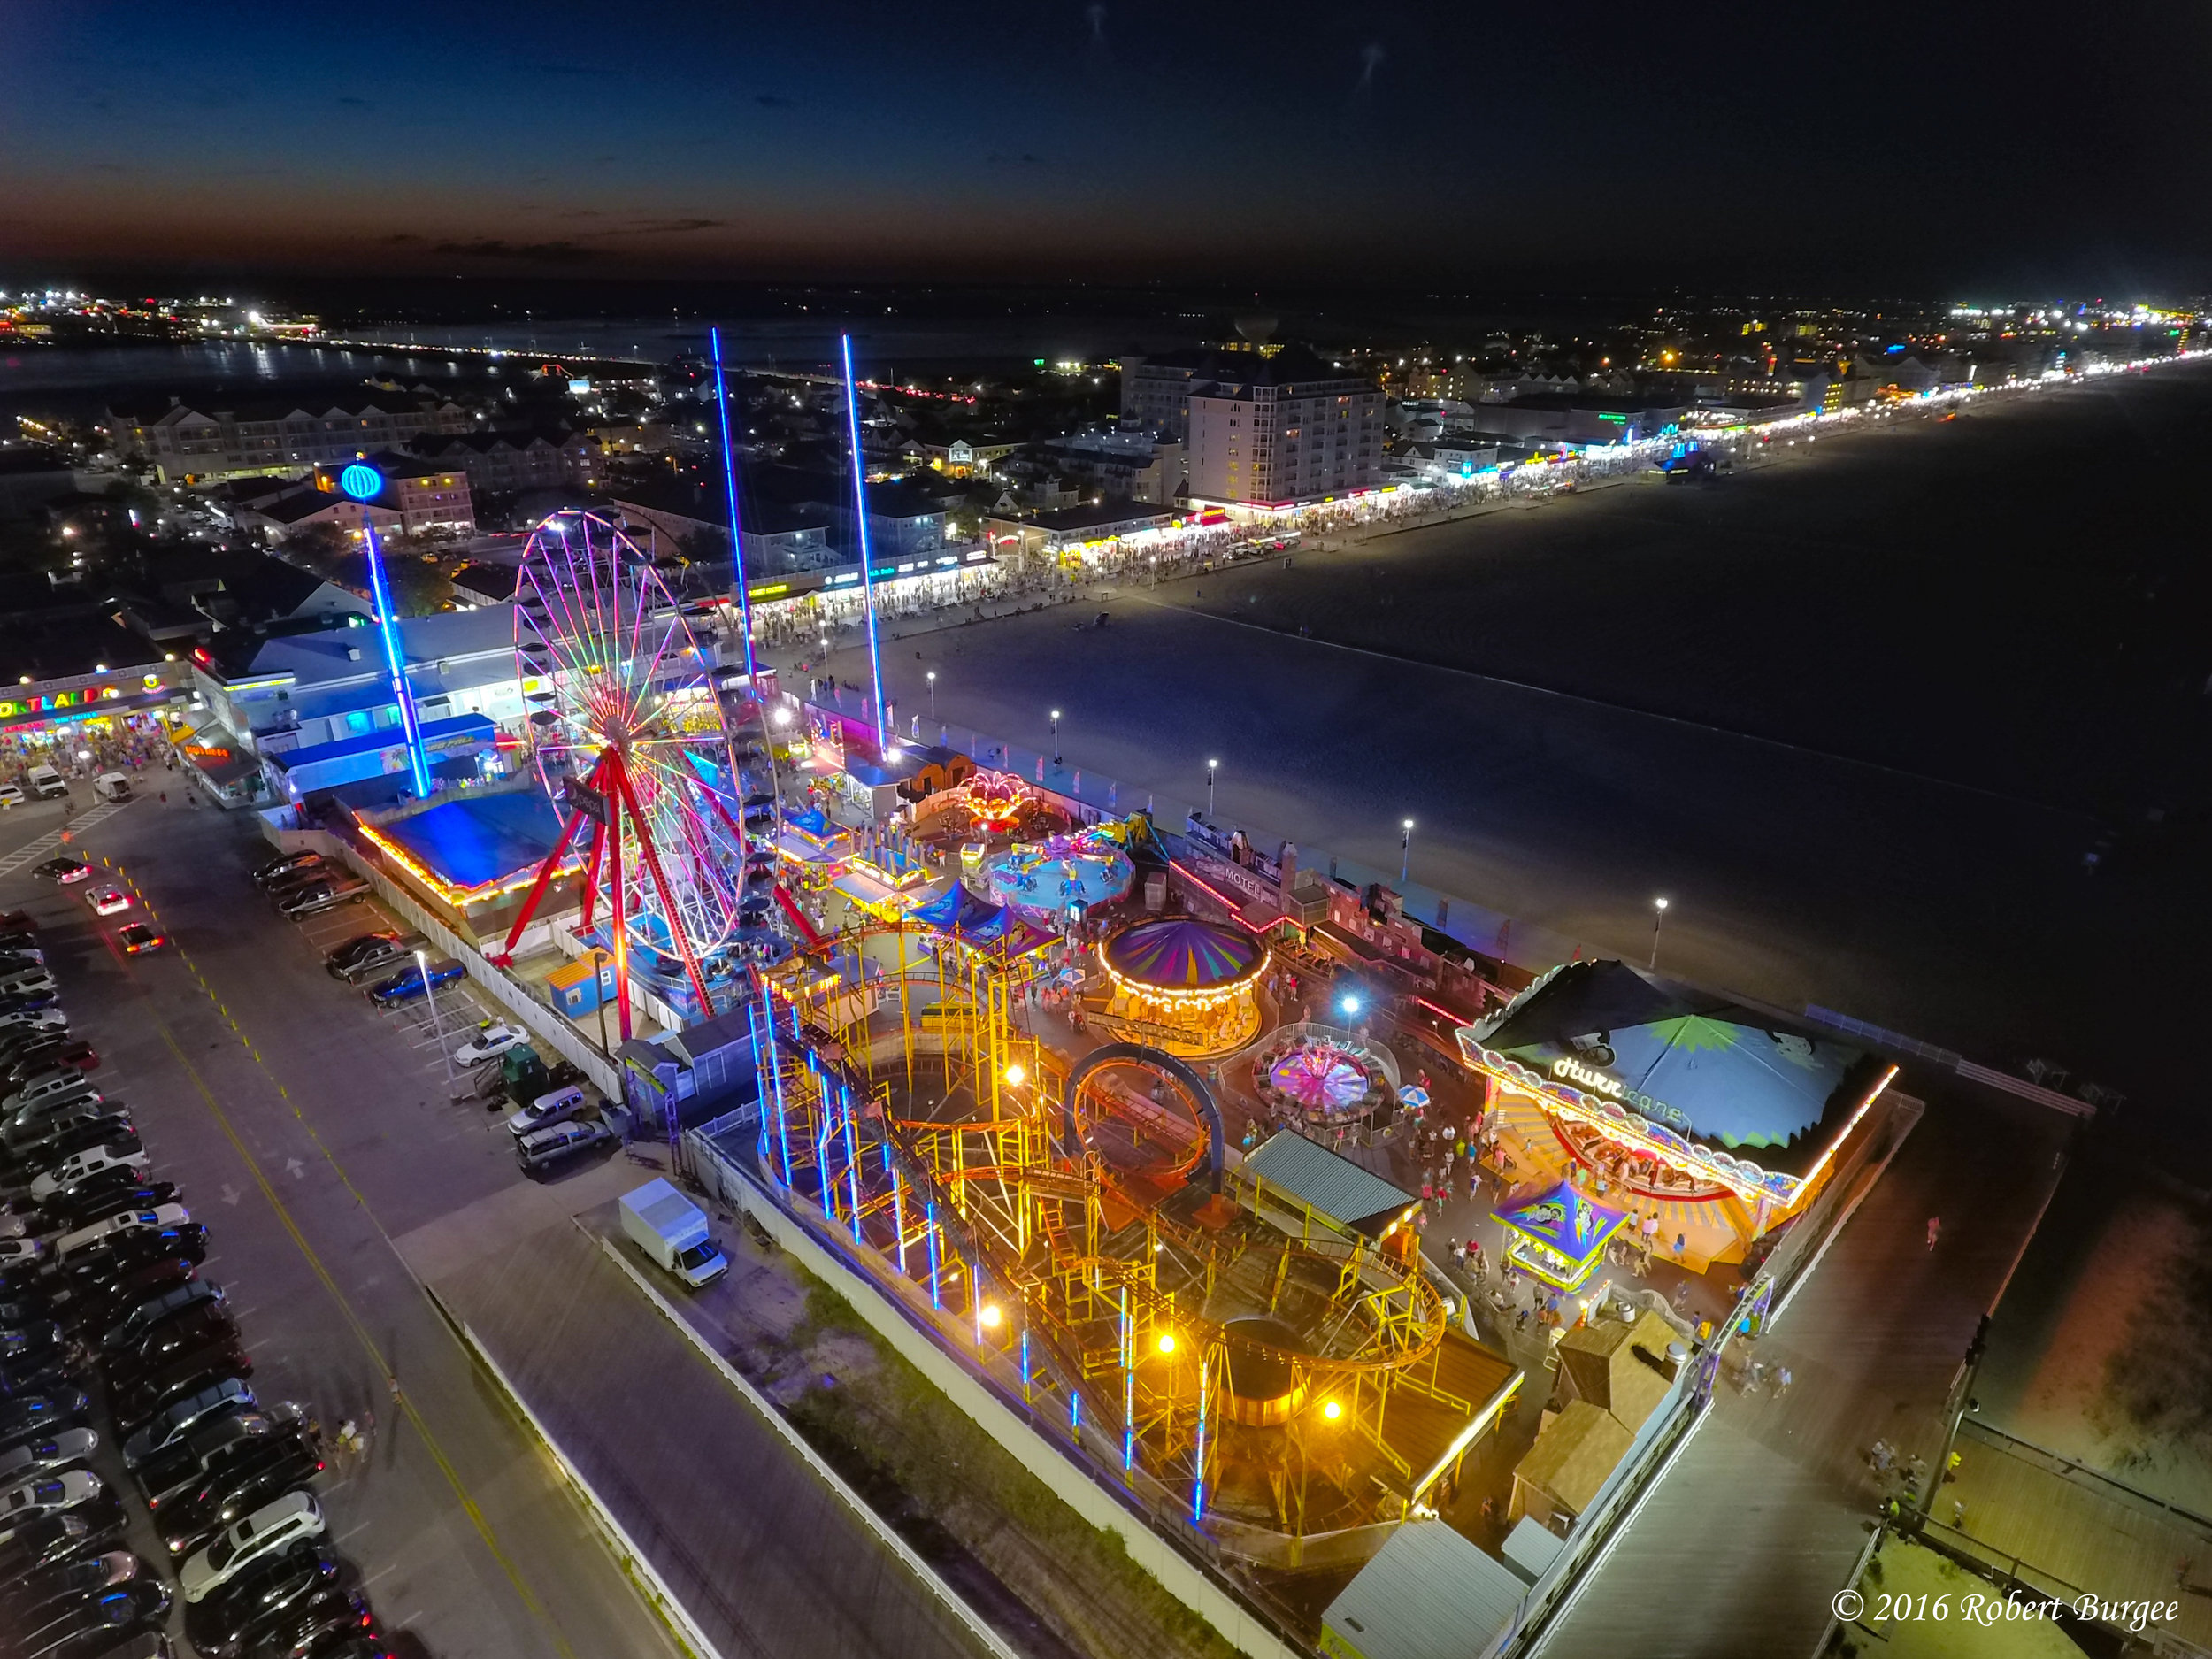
(625, 730)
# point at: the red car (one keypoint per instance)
(138, 939)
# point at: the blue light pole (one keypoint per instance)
(729, 482)
(364, 483)
(860, 507)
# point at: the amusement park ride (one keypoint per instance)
(1226, 1351)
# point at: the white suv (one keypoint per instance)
(291, 1519)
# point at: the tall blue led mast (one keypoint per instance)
(729, 483)
(365, 483)
(860, 511)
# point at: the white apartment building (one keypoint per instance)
(1274, 431)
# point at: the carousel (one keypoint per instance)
(1184, 985)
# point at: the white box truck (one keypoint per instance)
(112, 786)
(673, 1230)
(46, 783)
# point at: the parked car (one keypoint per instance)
(54, 1538)
(43, 1494)
(97, 1307)
(70, 1580)
(542, 1151)
(157, 1310)
(47, 1451)
(248, 1478)
(345, 954)
(101, 1234)
(222, 1399)
(87, 1121)
(493, 1039)
(91, 1628)
(60, 1051)
(318, 896)
(27, 1417)
(11, 794)
(198, 1328)
(20, 1342)
(34, 1019)
(88, 1165)
(293, 1518)
(176, 1471)
(407, 984)
(31, 980)
(22, 1253)
(292, 880)
(97, 1203)
(138, 939)
(547, 1109)
(297, 1632)
(108, 901)
(219, 1625)
(276, 868)
(105, 1127)
(375, 964)
(138, 1402)
(67, 872)
(85, 1281)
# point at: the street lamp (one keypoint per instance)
(1658, 920)
(1212, 766)
(932, 677)
(1055, 737)
(1405, 851)
(422, 966)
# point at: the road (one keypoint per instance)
(309, 1132)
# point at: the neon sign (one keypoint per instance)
(1589, 1077)
(361, 481)
(17, 706)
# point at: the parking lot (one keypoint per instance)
(316, 1137)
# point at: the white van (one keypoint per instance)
(46, 783)
(112, 786)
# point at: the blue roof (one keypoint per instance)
(479, 837)
(461, 728)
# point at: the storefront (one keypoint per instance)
(112, 715)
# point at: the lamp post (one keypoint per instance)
(1405, 851)
(422, 966)
(1055, 737)
(1212, 766)
(932, 677)
(1658, 920)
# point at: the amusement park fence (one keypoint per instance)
(1198, 1568)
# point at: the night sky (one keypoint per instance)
(1967, 150)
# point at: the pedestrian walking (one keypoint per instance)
(1935, 1227)
(1782, 1380)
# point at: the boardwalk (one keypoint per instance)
(1739, 1548)
(2066, 1530)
